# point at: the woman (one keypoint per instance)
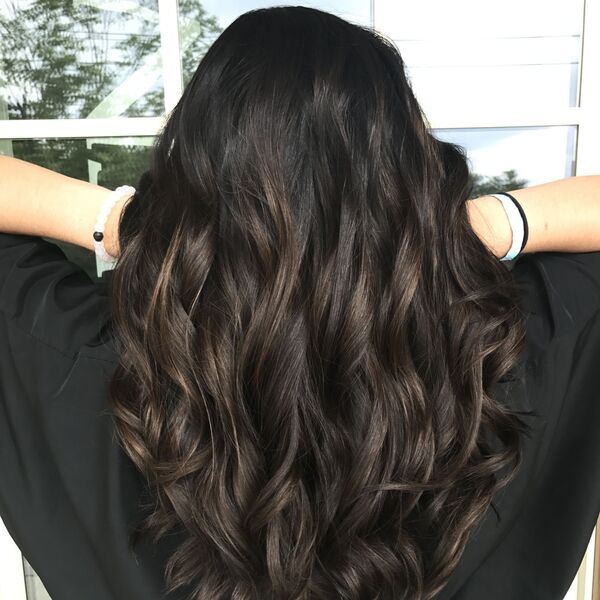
(310, 375)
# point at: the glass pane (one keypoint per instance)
(493, 54)
(508, 158)
(90, 59)
(109, 162)
(200, 23)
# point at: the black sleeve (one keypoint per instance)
(547, 513)
(68, 495)
(47, 296)
(570, 286)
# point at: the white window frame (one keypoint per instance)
(585, 116)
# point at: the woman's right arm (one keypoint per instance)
(562, 216)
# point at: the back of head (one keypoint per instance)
(309, 328)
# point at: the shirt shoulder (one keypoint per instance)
(49, 297)
(562, 291)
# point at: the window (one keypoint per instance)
(515, 83)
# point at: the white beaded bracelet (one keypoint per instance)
(107, 206)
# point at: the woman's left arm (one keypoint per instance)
(38, 201)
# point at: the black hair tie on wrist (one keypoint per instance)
(523, 217)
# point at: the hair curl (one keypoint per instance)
(309, 328)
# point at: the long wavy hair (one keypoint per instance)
(309, 328)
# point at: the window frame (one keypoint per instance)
(584, 116)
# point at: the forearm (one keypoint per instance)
(562, 216)
(38, 201)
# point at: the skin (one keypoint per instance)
(562, 215)
(38, 201)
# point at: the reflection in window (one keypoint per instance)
(515, 156)
(90, 59)
(109, 162)
(473, 53)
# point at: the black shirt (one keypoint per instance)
(68, 494)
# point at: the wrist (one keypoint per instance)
(111, 228)
(489, 221)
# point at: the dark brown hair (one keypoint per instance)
(309, 329)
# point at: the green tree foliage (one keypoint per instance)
(197, 30)
(53, 58)
(508, 180)
(60, 59)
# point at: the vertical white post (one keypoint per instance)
(168, 15)
(6, 147)
(588, 158)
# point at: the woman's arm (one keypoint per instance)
(562, 215)
(38, 201)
